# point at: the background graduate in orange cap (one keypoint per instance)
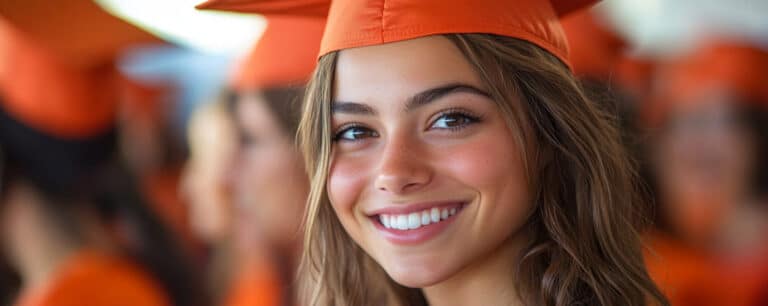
(454, 160)
(601, 60)
(74, 224)
(268, 177)
(709, 121)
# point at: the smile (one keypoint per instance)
(417, 219)
(416, 224)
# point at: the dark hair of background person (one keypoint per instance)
(86, 174)
(284, 103)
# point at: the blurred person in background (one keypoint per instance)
(153, 152)
(269, 182)
(610, 74)
(709, 125)
(206, 189)
(75, 226)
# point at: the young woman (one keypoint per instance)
(454, 160)
(709, 120)
(74, 225)
(269, 179)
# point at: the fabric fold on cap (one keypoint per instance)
(357, 23)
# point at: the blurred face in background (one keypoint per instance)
(271, 185)
(704, 159)
(212, 142)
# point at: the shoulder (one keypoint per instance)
(100, 279)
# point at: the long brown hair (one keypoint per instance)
(584, 246)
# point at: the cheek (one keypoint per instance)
(347, 181)
(259, 168)
(492, 166)
(488, 163)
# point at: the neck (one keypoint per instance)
(488, 281)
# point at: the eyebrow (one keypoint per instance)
(352, 108)
(430, 95)
(416, 101)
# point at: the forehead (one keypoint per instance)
(398, 70)
(253, 113)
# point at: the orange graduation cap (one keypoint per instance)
(286, 53)
(595, 49)
(307, 8)
(720, 67)
(78, 30)
(358, 23)
(740, 69)
(57, 71)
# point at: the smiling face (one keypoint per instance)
(426, 175)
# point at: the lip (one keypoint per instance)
(421, 234)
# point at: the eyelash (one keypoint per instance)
(345, 128)
(470, 117)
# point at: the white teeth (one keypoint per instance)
(418, 219)
(384, 220)
(414, 221)
(402, 222)
(434, 214)
(425, 218)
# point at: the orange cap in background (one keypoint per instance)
(57, 65)
(739, 70)
(285, 54)
(78, 30)
(307, 8)
(595, 49)
(40, 90)
(359, 23)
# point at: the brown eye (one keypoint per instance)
(354, 133)
(453, 120)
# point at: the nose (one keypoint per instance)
(403, 167)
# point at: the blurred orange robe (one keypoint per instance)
(689, 277)
(96, 279)
(256, 285)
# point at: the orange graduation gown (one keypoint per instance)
(96, 279)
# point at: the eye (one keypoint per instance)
(354, 133)
(246, 140)
(454, 119)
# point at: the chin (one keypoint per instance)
(419, 275)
